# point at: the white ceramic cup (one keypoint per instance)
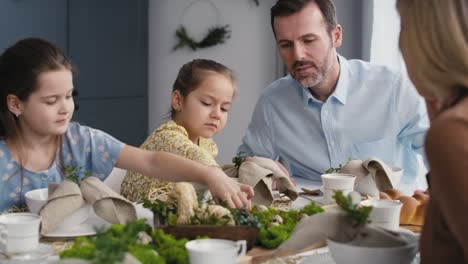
(19, 232)
(336, 182)
(215, 251)
(385, 213)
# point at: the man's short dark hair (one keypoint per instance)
(289, 7)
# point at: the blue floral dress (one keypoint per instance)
(84, 148)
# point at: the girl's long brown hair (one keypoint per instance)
(20, 66)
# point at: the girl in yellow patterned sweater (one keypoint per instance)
(201, 97)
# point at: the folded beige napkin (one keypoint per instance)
(107, 204)
(67, 197)
(260, 173)
(335, 225)
(64, 199)
(372, 176)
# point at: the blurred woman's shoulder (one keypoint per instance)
(449, 131)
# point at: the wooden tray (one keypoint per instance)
(223, 232)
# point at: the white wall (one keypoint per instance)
(251, 53)
(350, 16)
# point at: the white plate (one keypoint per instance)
(39, 255)
(324, 257)
(87, 228)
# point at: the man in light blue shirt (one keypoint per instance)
(329, 109)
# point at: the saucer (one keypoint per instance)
(41, 253)
(87, 228)
(94, 222)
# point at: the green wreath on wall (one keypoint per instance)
(216, 35)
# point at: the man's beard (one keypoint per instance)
(311, 79)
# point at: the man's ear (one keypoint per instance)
(176, 100)
(14, 104)
(337, 36)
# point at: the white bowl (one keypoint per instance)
(352, 254)
(35, 199)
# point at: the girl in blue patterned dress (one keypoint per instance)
(38, 141)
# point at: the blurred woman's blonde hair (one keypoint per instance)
(434, 41)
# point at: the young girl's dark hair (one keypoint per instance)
(192, 73)
(20, 66)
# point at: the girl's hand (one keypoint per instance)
(234, 194)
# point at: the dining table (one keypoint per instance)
(317, 253)
(62, 239)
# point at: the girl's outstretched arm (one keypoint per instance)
(170, 167)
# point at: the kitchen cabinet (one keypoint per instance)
(107, 41)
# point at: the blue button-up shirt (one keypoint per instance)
(373, 112)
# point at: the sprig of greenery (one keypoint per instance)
(332, 170)
(239, 158)
(75, 173)
(171, 249)
(243, 217)
(338, 169)
(216, 35)
(110, 246)
(271, 236)
(358, 214)
(166, 213)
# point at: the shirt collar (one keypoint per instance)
(342, 86)
(307, 97)
(341, 90)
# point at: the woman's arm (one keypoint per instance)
(170, 167)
